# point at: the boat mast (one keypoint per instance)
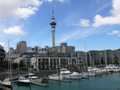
(86, 60)
(105, 53)
(10, 61)
(90, 58)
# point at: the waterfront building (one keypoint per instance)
(52, 58)
(63, 48)
(2, 53)
(21, 47)
(2, 59)
(65, 56)
(50, 62)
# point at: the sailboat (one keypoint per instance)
(32, 76)
(7, 82)
(23, 80)
(61, 75)
(26, 79)
(109, 67)
(74, 76)
(85, 73)
(91, 71)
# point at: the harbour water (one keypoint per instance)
(105, 82)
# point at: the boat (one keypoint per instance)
(64, 71)
(55, 77)
(26, 79)
(23, 80)
(6, 83)
(31, 76)
(85, 75)
(92, 68)
(61, 75)
(91, 71)
(112, 68)
(74, 76)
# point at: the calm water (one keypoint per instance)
(106, 82)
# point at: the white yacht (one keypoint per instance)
(91, 74)
(6, 82)
(115, 68)
(91, 71)
(74, 76)
(23, 80)
(112, 68)
(61, 76)
(84, 75)
(32, 76)
(98, 71)
(64, 71)
(55, 77)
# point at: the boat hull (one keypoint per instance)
(22, 83)
(7, 86)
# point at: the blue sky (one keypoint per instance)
(86, 24)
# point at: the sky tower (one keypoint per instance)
(53, 26)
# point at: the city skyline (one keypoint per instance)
(93, 25)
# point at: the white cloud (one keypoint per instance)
(84, 23)
(21, 8)
(15, 30)
(25, 12)
(116, 8)
(18, 8)
(115, 33)
(99, 20)
(81, 23)
(109, 20)
(56, 0)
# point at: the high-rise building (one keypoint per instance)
(21, 47)
(53, 26)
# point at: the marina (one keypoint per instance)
(104, 82)
(78, 51)
(64, 77)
